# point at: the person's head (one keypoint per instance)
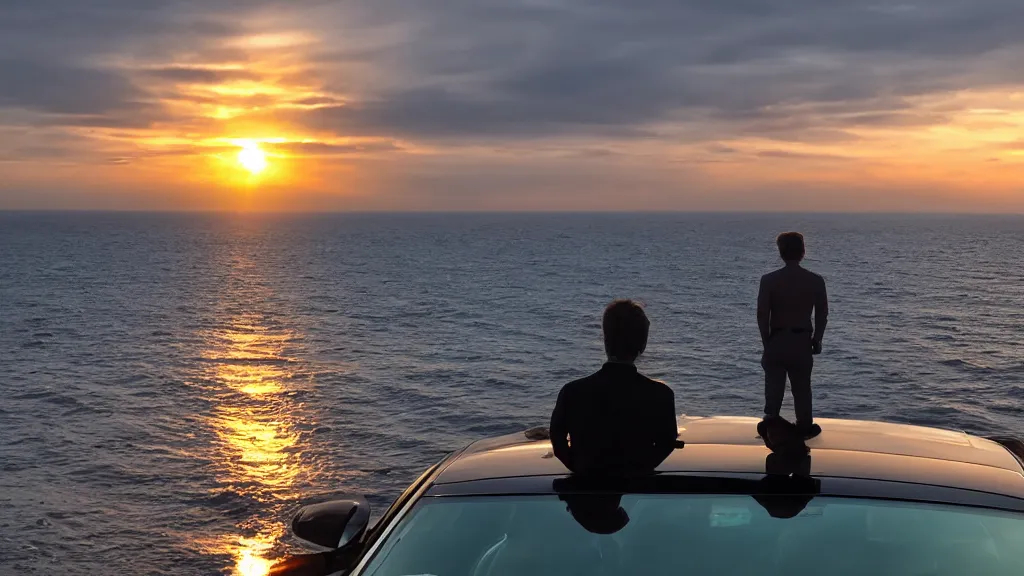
(791, 246)
(625, 328)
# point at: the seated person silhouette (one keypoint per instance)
(617, 421)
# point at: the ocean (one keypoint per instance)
(174, 386)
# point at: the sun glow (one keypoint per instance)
(252, 158)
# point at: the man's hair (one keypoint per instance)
(625, 328)
(791, 246)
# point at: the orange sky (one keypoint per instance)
(357, 110)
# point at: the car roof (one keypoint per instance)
(724, 444)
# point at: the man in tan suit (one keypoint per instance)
(785, 301)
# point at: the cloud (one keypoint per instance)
(198, 75)
(64, 89)
(471, 68)
(483, 70)
(788, 155)
(683, 81)
(319, 101)
(328, 149)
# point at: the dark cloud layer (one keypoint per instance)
(796, 69)
(64, 89)
(481, 69)
(198, 75)
(328, 149)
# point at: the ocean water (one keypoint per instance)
(174, 387)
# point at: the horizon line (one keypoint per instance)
(498, 212)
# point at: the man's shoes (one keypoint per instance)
(811, 431)
(781, 435)
(538, 433)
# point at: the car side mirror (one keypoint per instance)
(333, 524)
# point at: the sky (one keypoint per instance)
(789, 105)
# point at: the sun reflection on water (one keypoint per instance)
(258, 454)
(261, 451)
(250, 558)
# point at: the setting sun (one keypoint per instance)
(252, 158)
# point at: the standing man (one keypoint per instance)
(616, 421)
(785, 302)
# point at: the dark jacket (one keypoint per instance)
(616, 421)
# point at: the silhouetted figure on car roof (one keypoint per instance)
(784, 305)
(617, 421)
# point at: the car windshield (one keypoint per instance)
(696, 535)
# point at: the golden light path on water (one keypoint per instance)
(258, 452)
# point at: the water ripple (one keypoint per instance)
(176, 386)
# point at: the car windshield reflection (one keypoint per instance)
(674, 534)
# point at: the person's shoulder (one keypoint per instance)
(657, 386)
(579, 383)
(815, 276)
(771, 276)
